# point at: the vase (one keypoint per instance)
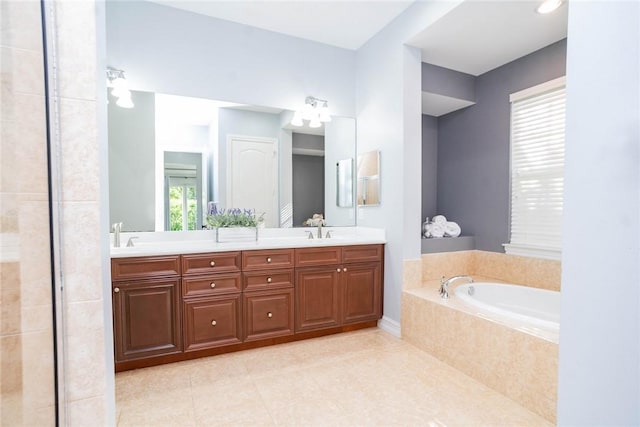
(236, 234)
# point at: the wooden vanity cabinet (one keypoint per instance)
(268, 302)
(146, 307)
(349, 290)
(211, 300)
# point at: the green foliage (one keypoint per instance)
(234, 218)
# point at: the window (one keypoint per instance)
(537, 163)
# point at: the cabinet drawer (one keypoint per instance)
(214, 284)
(309, 257)
(144, 267)
(211, 263)
(268, 280)
(362, 253)
(268, 314)
(212, 322)
(260, 260)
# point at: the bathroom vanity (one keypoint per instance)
(184, 305)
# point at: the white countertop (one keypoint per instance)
(191, 242)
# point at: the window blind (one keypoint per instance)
(537, 163)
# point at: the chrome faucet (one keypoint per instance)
(444, 285)
(117, 228)
(320, 224)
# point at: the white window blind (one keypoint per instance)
(537, 163)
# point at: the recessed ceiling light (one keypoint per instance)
(548, 6)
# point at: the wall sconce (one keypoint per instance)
(120, 89)
(315, 110)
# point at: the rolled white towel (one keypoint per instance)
(452, 229)
(439, 219)
(437, 230)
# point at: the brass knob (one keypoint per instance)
(269, 259)
(116, 290)
(214, 323)
(212, 263)
(338, 270)
(269, 314)
(268, 279)
(344, 269)
(213, 285)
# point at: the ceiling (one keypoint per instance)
(478, 36)
(326, 21)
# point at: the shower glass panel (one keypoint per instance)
(27, 334)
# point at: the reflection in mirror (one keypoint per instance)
(171, 155)
(368, 192)
(344, 188)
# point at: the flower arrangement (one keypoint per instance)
(233, 217)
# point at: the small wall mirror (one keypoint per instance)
(368, 191)
(344, 183)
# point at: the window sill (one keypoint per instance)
(533, 251)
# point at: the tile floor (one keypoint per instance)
(362, 378)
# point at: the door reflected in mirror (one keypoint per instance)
(368, 192)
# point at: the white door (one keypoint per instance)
(252, 176)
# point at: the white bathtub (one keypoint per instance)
(533, 307)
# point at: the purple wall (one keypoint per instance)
(473, 148)
(429, 165)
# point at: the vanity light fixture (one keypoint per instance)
(315, 110)
(120, 89)
(548, 6)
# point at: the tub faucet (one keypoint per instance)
(444, 284)
(117, 228)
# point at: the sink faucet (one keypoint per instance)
(320, 224)
(117, 228)
(444, 285)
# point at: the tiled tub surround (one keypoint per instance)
(520, 363)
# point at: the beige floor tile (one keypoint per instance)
(363, 378)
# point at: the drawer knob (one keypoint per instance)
(212, 263)
(214, 323)
(213, 285)
(269, 314)
(344, 269)
(268, 279)
(338, 270)
(116, 290)
(269, 259)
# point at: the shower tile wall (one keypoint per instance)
(26, 351)
(26, 320)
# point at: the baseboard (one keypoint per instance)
(390, 325)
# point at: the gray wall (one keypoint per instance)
(132, 163)
(308, 187)
(313, 142)
(429, 165)
(473, 148)
(445, 81)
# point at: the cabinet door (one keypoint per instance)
(317, 298)
(362, 292)
(212, 322)
(146, 317)
(268, 314)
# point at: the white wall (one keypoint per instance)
(388, 87)
(166, 50)
(599, 374)
(339, 140)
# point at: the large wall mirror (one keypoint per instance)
(169, 156)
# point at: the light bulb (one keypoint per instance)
(308, 111)
(315, 123)
(548, 6)
(125, 102)
(297, 119)
(120, 88)
(323, 113)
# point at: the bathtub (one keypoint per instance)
(537, 308)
